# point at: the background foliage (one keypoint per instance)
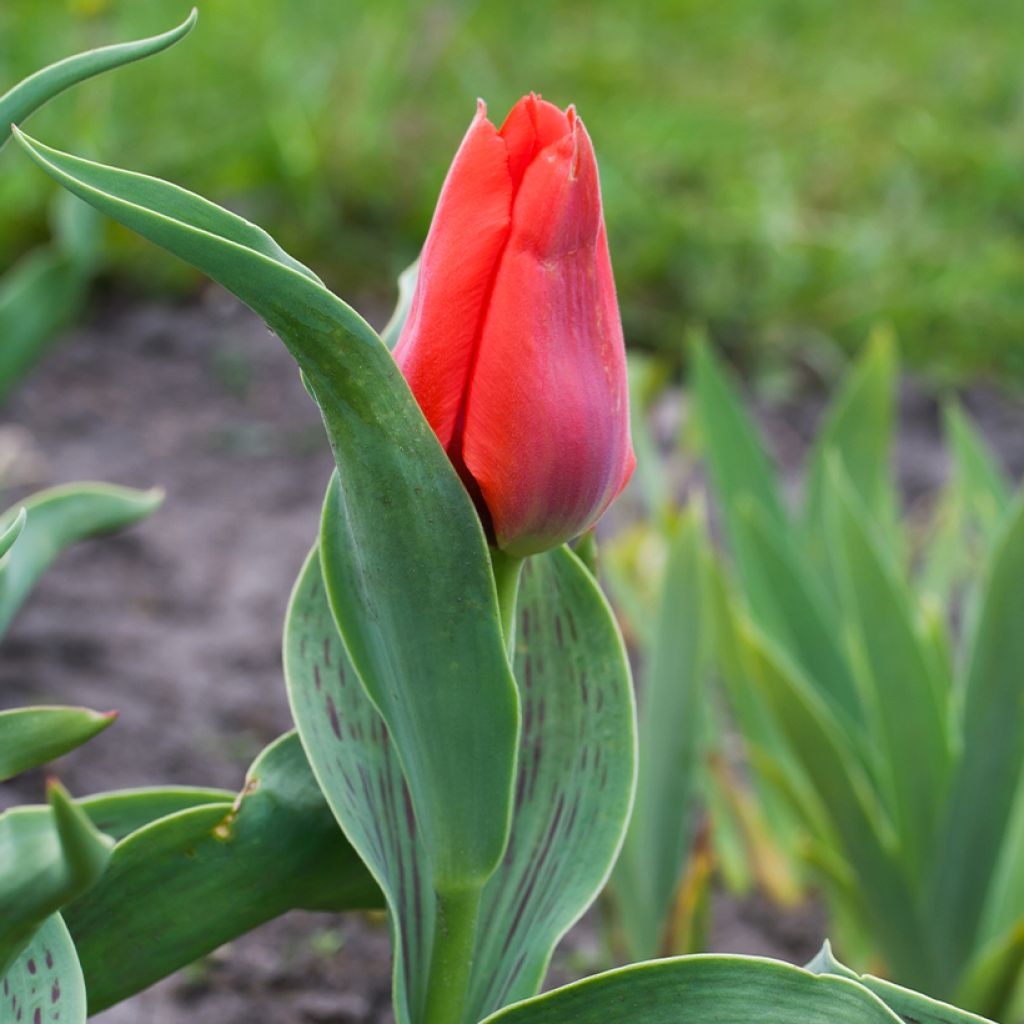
(787, 172)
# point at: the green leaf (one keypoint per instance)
(30, 737)
(56, 519)
(700, 989)
(406, 289)
(740, 468)
(121, 812)
(48, 856)
(358, 769)
(907, 704)
(29, 95)
(404, 553)
(576, 773)
(989, 772)
(981, 481)
(845, 793)
(857, 430)
(672, 698)
(39, 295)
(572, 793)
(186, 883)
(45, 983)
(911, 1006)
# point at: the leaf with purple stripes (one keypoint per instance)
(575, 778)
(357, 767)
(44, 985)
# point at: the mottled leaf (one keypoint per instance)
(44, 985)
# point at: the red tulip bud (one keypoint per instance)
(513, 346)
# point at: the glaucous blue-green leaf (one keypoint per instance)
(48, 856)
(672, 697)
(576, 773)
(57, 518)
(572, 792)
(355, 761)
(184, 884)
(121, 812)
(405, 558)
(29, 95)
(44, 985)
(704, 989)
(30, 737)
(989, 771)
(913, 1007)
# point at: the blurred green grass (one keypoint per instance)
(787, 172)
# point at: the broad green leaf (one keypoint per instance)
(672, 700)
(909, 1005)
(30, 737)
(907, 704)
(184, 884)
(359, 771)
(56, 519)
(121, 812)
(44, 985)
(702, 989)
(405, 558)
(406, 289)
(12, 531)
(29, 95)
(576, 773)
(857, 430)
(572, 792)
(989, 772)
(48, 856)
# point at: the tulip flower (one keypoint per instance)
(513, 345)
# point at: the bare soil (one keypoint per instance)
(176, 623)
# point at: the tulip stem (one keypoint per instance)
(451, 959)
(507, 570)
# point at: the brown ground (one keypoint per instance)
(176, 623)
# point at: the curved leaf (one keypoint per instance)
(48, 856)
(56, 519)
(575, 778)
(121, 812)
(44, 985)
(406, 288)
(189, 882)
(700, 989)
(405, 558)
(29, 95)
(30, 737)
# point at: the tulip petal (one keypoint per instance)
(463, 248)
(532, 124)
(546, 433)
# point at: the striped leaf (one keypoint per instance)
(44, 985)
